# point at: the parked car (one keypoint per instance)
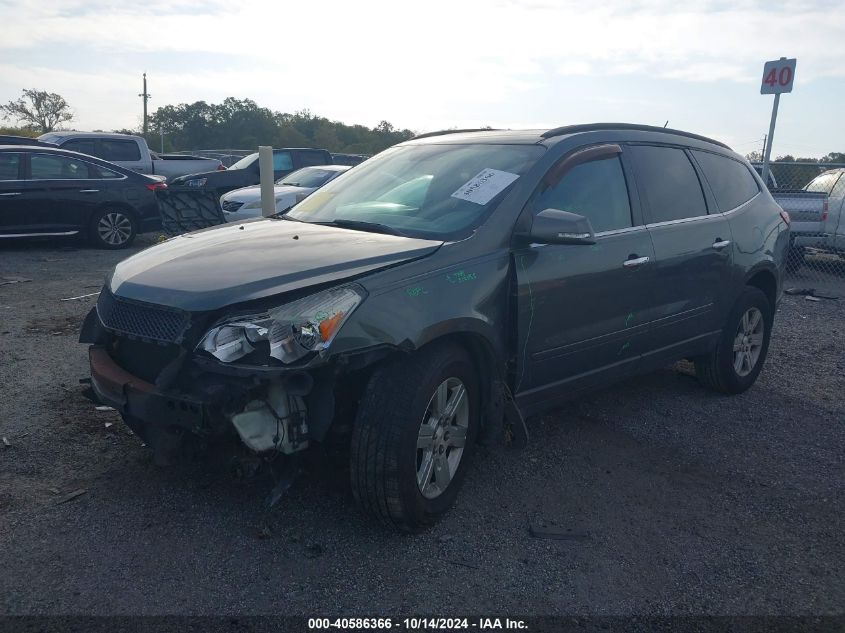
(6, 139)
(53, 192)
(245, 172)
(245, 203)
(130, 152)
(520, 269)
(348, 159)
(820, 227)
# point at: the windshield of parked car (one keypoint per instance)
(437, 191)
(246, 161)
(308, 177)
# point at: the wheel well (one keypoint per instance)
(766, 282)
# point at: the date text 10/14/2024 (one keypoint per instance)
(417, 624)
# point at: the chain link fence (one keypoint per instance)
(813, 194)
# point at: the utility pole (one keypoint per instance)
(763, 153)
(146, 96)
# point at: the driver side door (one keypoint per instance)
(583, 309)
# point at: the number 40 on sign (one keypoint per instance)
(778, 76)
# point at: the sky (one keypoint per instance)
(443, 64)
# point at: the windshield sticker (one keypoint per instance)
(314, 201)
(485, 186)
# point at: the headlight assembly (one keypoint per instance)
(288, 332)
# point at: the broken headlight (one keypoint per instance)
(288, 332)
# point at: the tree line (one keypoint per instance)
(232, 124)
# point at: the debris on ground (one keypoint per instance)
(103, 407)
(91, 294)
(811, 298)
(264, 531)
(13, 280)
(108, 424)
(810, 292)
(6, 443)
(71, 495)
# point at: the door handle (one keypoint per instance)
(12, 193)
(633, 262)
(720, 243)
(89, 191)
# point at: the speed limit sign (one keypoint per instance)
(778, 76)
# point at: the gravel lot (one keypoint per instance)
(673, 500)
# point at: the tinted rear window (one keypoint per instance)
(81, 145)
(823, 183)
(669, 183)
(314, 158)
(730, 180)
(115, 150)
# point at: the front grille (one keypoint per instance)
(231, 205)
(152, 323)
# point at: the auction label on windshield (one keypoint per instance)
(485, 186)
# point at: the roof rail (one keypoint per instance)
(442, 132)
(594, 127)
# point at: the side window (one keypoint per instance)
(839, 187)
(596, 190)
(107, 174)
(730, 180)
(54, 167)
(81, 145)
(313, 158)
(282, 161)
(822, 184)
(669, 183)
(10, 166)
(119, 150)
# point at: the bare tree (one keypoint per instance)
(38, 109)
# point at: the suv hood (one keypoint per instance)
(220, 266)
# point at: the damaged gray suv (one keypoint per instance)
(442, 290)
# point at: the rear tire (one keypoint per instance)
(414, 435)
(734, 364)
(112, 228)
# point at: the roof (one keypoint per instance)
(541, 136)
(75, 133)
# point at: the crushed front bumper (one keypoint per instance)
(136, 398)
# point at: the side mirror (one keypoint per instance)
(553, 226)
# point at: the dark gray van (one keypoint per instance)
(443, 289)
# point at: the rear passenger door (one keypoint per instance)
(692, 248)
(68, 191)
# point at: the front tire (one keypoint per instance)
(112, 228)
(414, 436)
(733, 366)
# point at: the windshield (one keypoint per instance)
(246, 161)
(435, 191)
(308, 177)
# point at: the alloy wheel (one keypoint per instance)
(114, 228)
(748, 341)
(442, 437)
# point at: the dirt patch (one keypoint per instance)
(56, 326)
(76, 410)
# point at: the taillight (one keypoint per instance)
(221, 167)
(824, 211)
(785, 217)
(156, 186)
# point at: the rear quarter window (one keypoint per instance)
(307, 159)
(730, 180)
(669, 183)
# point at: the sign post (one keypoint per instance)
(778, 76)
